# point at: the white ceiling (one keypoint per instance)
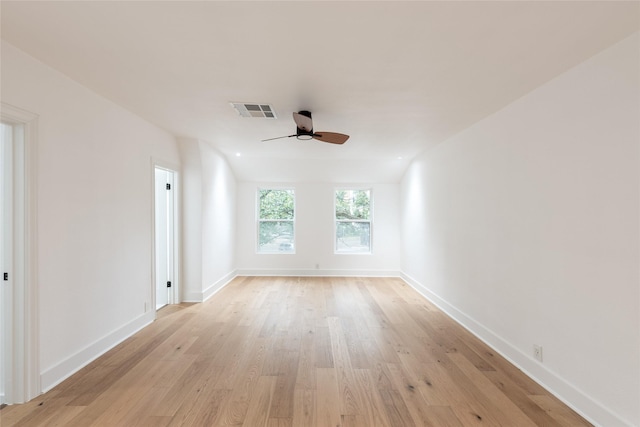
(399, 77)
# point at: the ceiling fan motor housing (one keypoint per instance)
(302, 133)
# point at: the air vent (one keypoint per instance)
(264, 111)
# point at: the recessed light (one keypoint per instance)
(238, 154)
(399, 157)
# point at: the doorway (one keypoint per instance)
(165, 237)
(19, 369)
(6, 249)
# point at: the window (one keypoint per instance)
(353, 221)
(276, 214)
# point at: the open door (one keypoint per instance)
(19, 356)
(6, 249)
(164, 237)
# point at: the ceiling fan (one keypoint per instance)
(304, 130)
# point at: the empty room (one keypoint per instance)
(285, 214)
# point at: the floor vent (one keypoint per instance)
(246, 109)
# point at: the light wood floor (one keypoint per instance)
(289, 352)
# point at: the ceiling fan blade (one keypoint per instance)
(303, 121)
(277, 137)
(331, 137)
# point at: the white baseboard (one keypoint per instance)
(586, 406)
(318, 273)
(211, 290)
(192, 297)
(63, 370)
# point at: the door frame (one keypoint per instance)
(174, 294)
(25, 369)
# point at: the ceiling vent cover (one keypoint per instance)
(246, 109)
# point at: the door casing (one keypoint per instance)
(174, 238)
(24, 372)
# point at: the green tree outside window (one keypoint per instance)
(353, 221)
(276, 214)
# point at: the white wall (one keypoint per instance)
(209, 224)
(191, 214)
(525, 227)
(94, 213)
(314, 241)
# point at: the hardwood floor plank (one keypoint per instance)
(441, 385)
(373, 409)
(396, 408)
(442, 416)
(327, 398)
(558, 411)
(323, 351)
(436, 386)
(206, 411)
(388, 304)
(41, 413)
(507, 409)
(182, 393)
(175, 371)
(279, 422)
(232, 355)
(154, 421)
(411, 396)
(61, 417)
(350, 401)
(258, 413)
(471, 406)
(198, 404)
(271, 322)
(282, 399)
(357, 355)
(12, 414)
(304, 406)
(139, 413)
(125, 395)
(242, 388)
(113, 403)
(520, 398)
(299, 351)
(381, 376)
(306, 374)
(385, 344)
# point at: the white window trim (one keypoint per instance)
(258, 221)
(369, 221)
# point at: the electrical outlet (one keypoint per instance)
(537, 352)
(317, 266)
(145, 307)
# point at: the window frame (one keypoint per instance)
(336, 220)
(259, 221)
